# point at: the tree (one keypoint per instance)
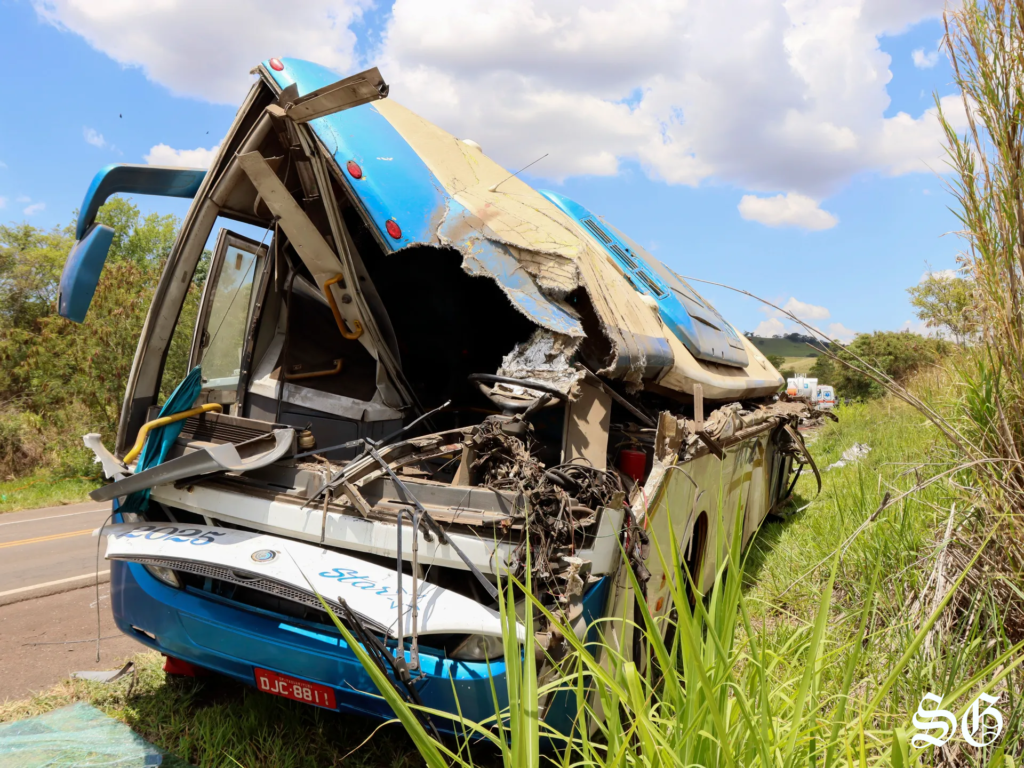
(136, 239)
(946, 301)
(777, 361)
(823, 370)
(31, 261)
(76, 373)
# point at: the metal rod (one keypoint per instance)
(323, 517)
(414, 653)
(594, 379)
(432, 523)
(698, 407)
(388, 438)
(400, 652)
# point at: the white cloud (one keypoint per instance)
(900, 148)
(840, 332)
(766, 96)
(3, 202)
(801, 309)
(162, 154)
(780, 323)
(31, 210)
(23, 199)
(204, 49)
(806, 311)
(789, 210)
(924, 60)
(94, 137)
(763, 95)
(3, 164)
(770, 327)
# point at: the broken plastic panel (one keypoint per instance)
(243, 457)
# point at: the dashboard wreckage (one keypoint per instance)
(423, 377)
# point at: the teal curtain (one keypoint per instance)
(159, 441)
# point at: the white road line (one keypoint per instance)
(54, 517)
(54, 583)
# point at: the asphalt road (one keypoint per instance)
(45, 639)
(48, 605)
(46, 550)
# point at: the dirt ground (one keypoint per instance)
(34, 652)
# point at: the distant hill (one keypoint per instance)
(791, 345)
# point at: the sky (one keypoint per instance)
(787, 148)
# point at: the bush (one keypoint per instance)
(21, 442)
(897, 354)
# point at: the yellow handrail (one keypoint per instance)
(356, 325)
(316, 374)
(163, 421)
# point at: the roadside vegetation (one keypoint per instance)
(42, 489)
(897, 355)
(60, 380)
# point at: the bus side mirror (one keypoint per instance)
(82, 272)
(85, 262)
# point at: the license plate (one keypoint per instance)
(295, 689)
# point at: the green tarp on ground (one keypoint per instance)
(78, 736)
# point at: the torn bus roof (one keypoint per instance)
(420, 186)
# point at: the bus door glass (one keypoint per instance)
(228, 301)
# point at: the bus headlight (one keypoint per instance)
(479, 648)
(166, 575)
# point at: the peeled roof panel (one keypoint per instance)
(446, 192)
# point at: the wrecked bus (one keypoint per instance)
(425, 371)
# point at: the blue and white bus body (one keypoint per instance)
(400, 269)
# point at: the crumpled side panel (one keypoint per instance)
(639, 346)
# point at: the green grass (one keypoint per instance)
(43, 490)
(784, 573)
(783, 347)
(218, 722)
(799, 364)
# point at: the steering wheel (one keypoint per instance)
(516, 404)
